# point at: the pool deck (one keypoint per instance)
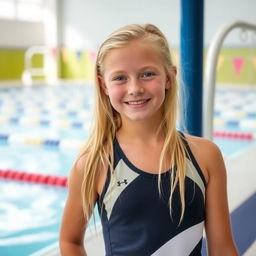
(241, 193)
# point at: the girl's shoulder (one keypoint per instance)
(207, 154)
(202, 143)
(77, 172)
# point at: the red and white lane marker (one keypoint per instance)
(53, 180)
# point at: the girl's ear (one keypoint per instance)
(174, 70)
(168, 78)
(168, 83)
(102, 84)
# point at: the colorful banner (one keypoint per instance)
(219, 63)
(64, 54)
(238, 63)
(53, 52)
(254, 62)
(79, 54)
(92, 55)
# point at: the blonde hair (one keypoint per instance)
(99, 148)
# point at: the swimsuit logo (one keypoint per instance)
(119, 183)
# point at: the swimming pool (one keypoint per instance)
(42, 130)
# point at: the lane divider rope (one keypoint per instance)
(45, 122)
(45, 179)
(21, 139)
(235, 135)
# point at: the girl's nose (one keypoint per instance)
(135, 88)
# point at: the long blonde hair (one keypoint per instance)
(99, 148)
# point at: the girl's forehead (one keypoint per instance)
(133, 52)
(141, 44)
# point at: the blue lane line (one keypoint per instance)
(243, 220)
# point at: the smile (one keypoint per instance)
(137, 102)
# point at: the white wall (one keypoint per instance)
(219, 12)
(90, 21)
(20, 34)
(87, 22)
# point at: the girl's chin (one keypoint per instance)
(142, 118)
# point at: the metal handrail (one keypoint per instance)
(34, 50)
(210, 73)
(48, 70)
(29, 71)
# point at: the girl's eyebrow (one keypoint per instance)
(116, 71)
(140, 69)
(149, 67)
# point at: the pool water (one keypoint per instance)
(231, 146)
(43, 160)
(30, 217)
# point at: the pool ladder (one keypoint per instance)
(48, 70)
(210, 72)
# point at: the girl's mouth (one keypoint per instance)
(137, 102)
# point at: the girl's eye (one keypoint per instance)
(148, 74)
(119, 78)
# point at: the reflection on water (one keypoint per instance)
(43, 160)
(30, 214)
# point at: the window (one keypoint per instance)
(27, 10)
(7, 10)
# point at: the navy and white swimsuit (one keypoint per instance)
(136, 220)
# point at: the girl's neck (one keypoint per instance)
(140, 132)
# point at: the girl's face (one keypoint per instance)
(135, 80)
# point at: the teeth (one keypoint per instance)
(136, 102)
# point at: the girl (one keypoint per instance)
(156, 188)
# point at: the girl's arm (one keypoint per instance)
(218, 228)
(73, 223)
